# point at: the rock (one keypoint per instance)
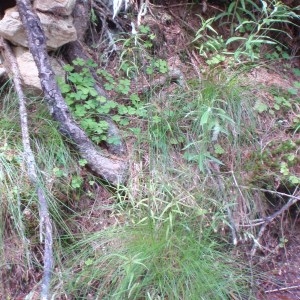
(59, 31)
(6, 4)
(57, 7)
(29, 71)
(11, 26)
(81, 16)
(3, 73)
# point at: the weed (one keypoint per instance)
(251, 27)
(89, 108)
(134, 55)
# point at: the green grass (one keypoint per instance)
(19, 224)
(142, 262)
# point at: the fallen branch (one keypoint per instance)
(45, 221)
(104, 164)
(269, 191)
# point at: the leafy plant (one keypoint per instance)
(284, 101)
(282, 160)
(89, 108)
(210, 122)
(251, 27)
(277, 53)
(158, 65)
(135, 55)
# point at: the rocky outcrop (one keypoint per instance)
(57, 22)
(58, 32)
(57, 7)
(29, 71)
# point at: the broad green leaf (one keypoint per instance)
(80, 111)
(218, 149)
(293, 91)
(101, 99)
(261, 107)
(297, 84)
(68, 68)
(205, 116)
(296, 71)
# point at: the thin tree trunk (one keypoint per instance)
(108, 166)
(32, 170)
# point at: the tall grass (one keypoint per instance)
(19, 224)
(167, 244)
(142, 262)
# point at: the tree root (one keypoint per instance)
(75, 50)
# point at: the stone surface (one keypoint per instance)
(11, 26)
(57, 7)
(58, 31)
(29, 71)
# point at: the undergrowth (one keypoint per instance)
(196, 153)
(165, 244)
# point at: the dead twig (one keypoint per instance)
(293, 199)
(293, 287)
(270, 191)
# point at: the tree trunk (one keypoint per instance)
(101, 162)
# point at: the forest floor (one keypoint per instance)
(277, 257)
(279, 261)
(282, 267)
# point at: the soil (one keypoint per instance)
(282, 267)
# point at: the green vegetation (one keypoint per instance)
(252, 26)
(150, 263)
(88, 107)
(196, 152)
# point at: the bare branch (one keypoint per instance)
(293, 199)
(288, 288)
